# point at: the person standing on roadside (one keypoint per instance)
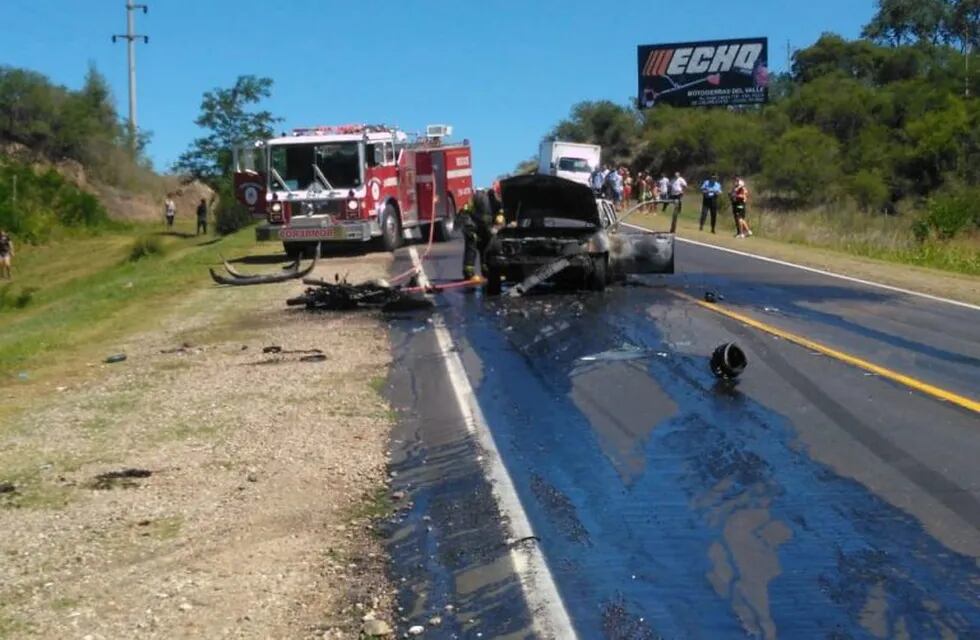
(169, 211)
(614, 184)
(710, 190)
(6, 255)
(677, 188)
(663, 187)
(740, 200)
(595, 180)
(202, 218)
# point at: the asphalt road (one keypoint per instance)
(810, 500)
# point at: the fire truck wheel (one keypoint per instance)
(493, 285)
(446, 228)
(293, 249)
(391, 229)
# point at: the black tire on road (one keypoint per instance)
(391, 228)
(598, 277)
(493, 285)
(446, 228)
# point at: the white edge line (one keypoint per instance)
(870, 283)
(549, 616)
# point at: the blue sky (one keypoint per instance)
(502, 72)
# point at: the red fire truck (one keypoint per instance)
(354, 183)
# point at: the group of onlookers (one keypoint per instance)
(623, 188)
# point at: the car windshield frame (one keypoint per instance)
(338, 161)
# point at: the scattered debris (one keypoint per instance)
(728, 361)
(435, 621)
(341, 295)
(770, 309)
(376, 629)
(272, 349)
(316, 357)
(7, 487)
(416, 630)
(122, 478)
(291, 272)
(183, 348)
(118, 357)
(713, 296)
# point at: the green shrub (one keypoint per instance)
(146, 246)
(868, 189)
(34, 205)
(803, 162)
(9, 299)
(949, 214)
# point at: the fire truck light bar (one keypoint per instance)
(343, 129)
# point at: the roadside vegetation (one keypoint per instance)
(870, 146)
(81, 292)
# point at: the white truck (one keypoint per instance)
(569, 160)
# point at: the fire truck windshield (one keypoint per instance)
(339, 162)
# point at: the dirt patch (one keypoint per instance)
(183, 493)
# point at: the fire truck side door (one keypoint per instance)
(407, 197)
(250, 177)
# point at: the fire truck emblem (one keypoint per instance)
(375, 189)
(251, 195)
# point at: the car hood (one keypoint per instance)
(544, 196)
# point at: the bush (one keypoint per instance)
(229, 215)
(144, 247)
(45, 202)
(868, 189)
(948, 214)
(11, 300)
(804, 162)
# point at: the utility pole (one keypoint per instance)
(131, 37)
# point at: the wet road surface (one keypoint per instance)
(810, 500)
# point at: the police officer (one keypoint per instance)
(479, 215)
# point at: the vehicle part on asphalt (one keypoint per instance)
(728, 361)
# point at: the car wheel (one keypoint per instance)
(598, 277)
(446, 228)
(391, 229)
(493, 286)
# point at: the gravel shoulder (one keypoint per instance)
(266, 474)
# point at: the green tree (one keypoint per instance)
(898, 22)
(229, 122)
(804, 164)
(605, 123)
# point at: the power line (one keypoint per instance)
(131, 37)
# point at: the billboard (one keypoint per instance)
(704, 74)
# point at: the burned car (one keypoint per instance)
(558, 231)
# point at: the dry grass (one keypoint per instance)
(876, 236)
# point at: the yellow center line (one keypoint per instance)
(900, 378)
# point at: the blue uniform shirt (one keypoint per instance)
(710, 188)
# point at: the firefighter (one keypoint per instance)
(481, 215)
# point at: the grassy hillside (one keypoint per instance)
(87, 289)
